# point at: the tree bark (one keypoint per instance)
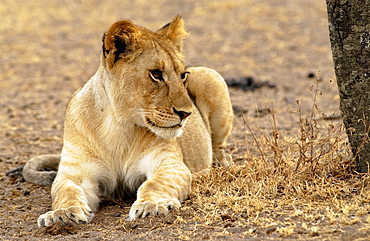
(349, 26)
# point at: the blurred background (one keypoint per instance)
(263, 38)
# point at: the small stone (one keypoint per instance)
(271, 229)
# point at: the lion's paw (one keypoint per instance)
(220, 158)
(141, 209)
(65, 216)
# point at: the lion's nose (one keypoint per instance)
(183, 114)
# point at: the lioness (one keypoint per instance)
(141, 125)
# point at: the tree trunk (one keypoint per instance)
(349, 26)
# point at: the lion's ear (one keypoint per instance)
(121, 38)
(174, 31)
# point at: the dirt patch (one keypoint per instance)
(293, 175)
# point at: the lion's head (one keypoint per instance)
(146, 76)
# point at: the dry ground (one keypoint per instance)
(292, 177)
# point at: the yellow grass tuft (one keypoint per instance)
(286, 232)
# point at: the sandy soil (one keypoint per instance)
(50, 48)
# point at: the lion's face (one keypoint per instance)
(147, 76)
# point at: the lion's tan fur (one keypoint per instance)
(138, 128)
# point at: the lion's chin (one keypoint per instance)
(166, 133)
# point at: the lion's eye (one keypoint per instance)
(184, 76)
(156, 74)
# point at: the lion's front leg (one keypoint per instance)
(167, 186)
(75, 196)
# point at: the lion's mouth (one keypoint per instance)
(148, 121)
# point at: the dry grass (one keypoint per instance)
(298, 182)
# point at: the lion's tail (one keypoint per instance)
(41, 170)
